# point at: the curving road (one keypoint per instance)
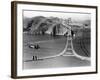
(69, 50)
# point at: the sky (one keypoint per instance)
(65, 15)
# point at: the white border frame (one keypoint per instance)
(34, 72)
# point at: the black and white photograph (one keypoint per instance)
(53, 39)
(56, 39)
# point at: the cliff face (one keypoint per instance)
(46, 25)
(52, 25)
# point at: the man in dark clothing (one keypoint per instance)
(72, 33)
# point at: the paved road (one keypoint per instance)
(49, 48)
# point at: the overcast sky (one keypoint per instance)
(74, 15)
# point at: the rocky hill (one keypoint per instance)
(50, 25)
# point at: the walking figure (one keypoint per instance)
(34, 58)
(72, 33)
